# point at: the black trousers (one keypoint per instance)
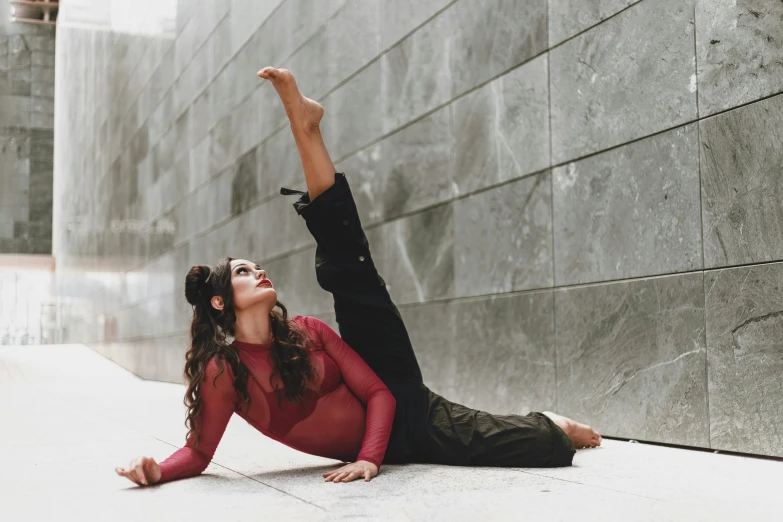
(427, 427)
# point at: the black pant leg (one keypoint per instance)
(454, 434)
(369, 322)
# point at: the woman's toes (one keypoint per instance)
(267, 72)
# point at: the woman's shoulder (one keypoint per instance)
(311, 326)
(218, 371)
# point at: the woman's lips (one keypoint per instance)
(264, 282)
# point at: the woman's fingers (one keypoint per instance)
(139, 469)
(125, 473)
(348, 474)
(134, 472)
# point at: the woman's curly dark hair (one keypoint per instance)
(291, 363)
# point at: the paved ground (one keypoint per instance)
(68, 416)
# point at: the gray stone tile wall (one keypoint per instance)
(575, 204)
(26, 138)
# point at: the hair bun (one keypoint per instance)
(195, 281)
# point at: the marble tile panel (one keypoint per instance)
(306, 17)
(401, 17)
(628, 77)
(503, 238)
(244, 183)
(416, 73)
(504, 353)
(139, 144)
(296, 285)
(198, 118)
(246, 133)
(199, 165)
(745, 358)
(244, 79)
(163, 77)
(741, 187)
(363, 171)
(245, 17)
(310, 65)
(161, 276)
(221, 99)
(182, 142)
(501, 131)
(629, 212)
(432, 330)
(218, 48)
(271, 41)
(220, 138)
(416, 166)
(355, 113)
(279, 228)
(739, 46)
(272, 113)
(493, 36)
(631, 358)
(415, 255)
(184, 46)
(162, 358)
(353, 38)
(279, 164)
(208, 206)
(166, 151)
(42, 89)
(15, 110)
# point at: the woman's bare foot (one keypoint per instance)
(303, 113)
(582, 435)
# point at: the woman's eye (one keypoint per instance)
(240, 270)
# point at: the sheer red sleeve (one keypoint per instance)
(366, 386)
(218, 403)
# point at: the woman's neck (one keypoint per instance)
(254, 328)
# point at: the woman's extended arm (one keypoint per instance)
(366, 386)
(218, 403)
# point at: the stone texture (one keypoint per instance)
(353, 39)
(432, 328)
(26, 143)
(626, 78)
(493, 36)
(629, 212)
(745, 358)
(503, 238)
(402, 17)
(417, 72)
(739, 46)
(505, 354)
(356, 113)
(416, 167)
(570, 17)
(415, 255)
(741, 166)
(631, 358)
(501, 131)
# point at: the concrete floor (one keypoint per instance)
(68, 416)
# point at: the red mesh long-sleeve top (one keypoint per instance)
(346, 414)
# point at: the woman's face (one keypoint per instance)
(251, 286)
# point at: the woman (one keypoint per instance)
(357, 397)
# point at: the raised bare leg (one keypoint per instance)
(304, 116)
(582, 435)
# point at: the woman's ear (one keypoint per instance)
(217, 302)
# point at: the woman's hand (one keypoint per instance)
(142, 471)
(352, 471)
